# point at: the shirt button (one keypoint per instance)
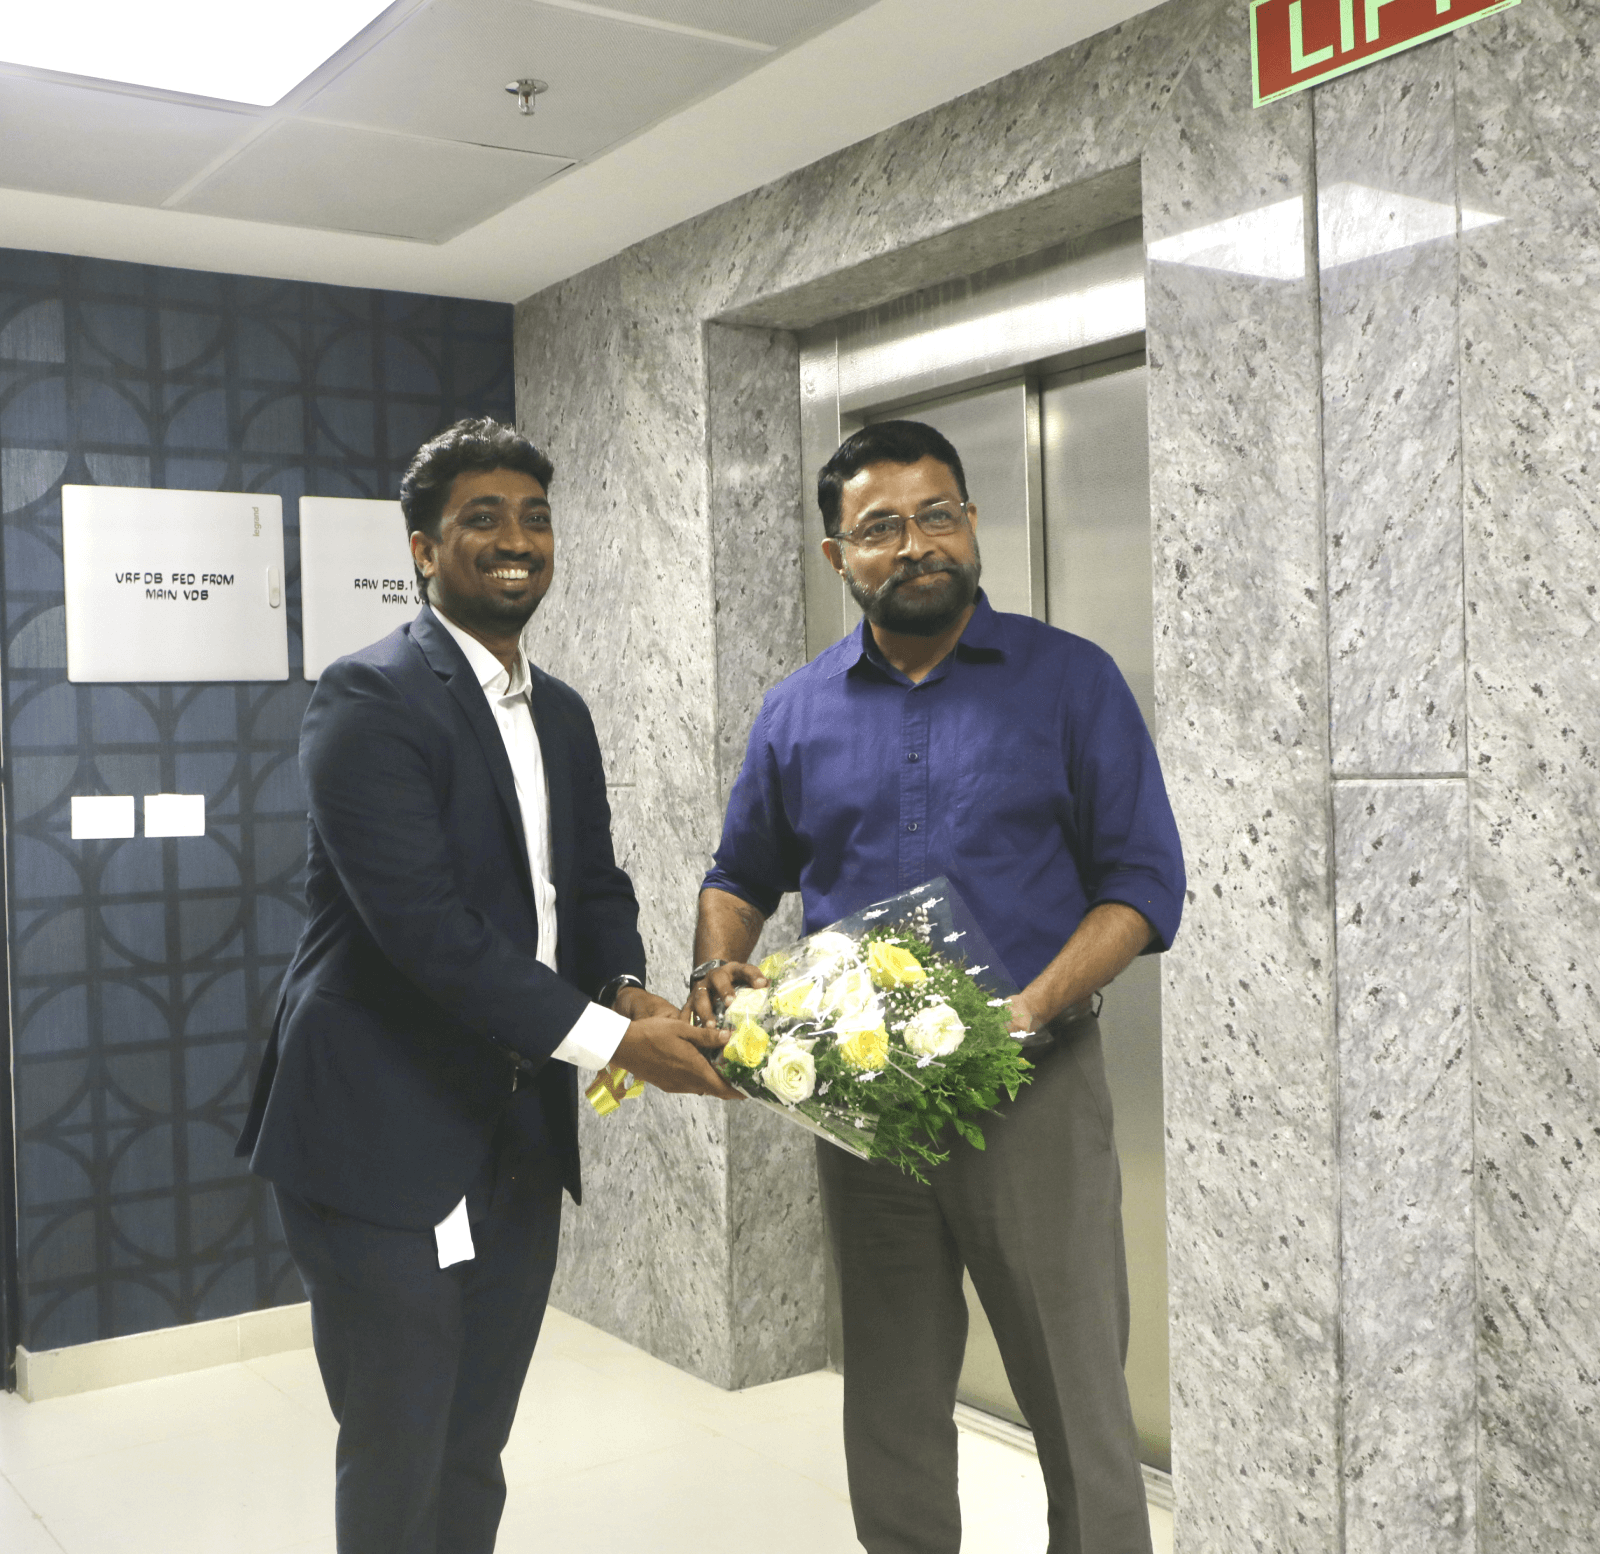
(912, 826)
(911, 755)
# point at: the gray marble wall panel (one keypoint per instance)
(1405, 1100)
(668, 427)
(1241, 681)
(1529, 155)
(627, 622)
(757, 493)
(1391, 417)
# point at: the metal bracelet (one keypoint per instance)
(607, 995)
(704, 970)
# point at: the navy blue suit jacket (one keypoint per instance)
(414, 997)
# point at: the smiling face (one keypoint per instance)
(495, 555)
(923, 585)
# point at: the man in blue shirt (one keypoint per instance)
(944, 738)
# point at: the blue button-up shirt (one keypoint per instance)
(1020, 768)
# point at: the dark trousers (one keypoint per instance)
(1036, 1219)
(424, 1366)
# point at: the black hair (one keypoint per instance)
(476, 444)
(882, 442)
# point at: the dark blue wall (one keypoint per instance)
(144, 973)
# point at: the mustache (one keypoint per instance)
(913, 569)
(534, 564)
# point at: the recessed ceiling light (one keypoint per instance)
(206, 48)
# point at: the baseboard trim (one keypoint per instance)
(1157, 1485)
(168, 1351)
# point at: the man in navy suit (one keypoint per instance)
(471, 941)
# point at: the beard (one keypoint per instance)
(923, 611)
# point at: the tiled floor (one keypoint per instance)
(613, 1451)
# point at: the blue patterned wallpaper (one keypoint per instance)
(144, 972)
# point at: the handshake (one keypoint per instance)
(667, 1047)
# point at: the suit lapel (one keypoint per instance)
(450, 664)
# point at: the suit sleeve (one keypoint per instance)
(374, 797)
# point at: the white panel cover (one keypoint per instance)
(173, 585)
(357, 581)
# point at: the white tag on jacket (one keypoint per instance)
(454, 1236)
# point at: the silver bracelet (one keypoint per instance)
(608, 994)
(703, 970)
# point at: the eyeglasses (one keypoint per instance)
(886, 531)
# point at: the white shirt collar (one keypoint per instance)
(492, 675)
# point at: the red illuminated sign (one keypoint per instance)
(1297, 43)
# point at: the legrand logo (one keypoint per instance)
(255, 513)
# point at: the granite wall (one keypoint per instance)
(1372, 332)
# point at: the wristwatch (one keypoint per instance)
(704, 970)
(607, 995)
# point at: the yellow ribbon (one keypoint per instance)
(612, 1086)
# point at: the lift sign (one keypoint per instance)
(1297, 43)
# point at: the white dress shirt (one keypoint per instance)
(593, 1041)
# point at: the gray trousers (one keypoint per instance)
(1036, 1219)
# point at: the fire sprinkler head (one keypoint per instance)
(525, 91)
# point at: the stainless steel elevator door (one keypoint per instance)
(1094, 445)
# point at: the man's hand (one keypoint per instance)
(1023, 1018)
(665, 1052)
(710, 993)
(637, 1003)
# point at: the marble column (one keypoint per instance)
(1241, 711)
(1387, 258)
(1528, 161)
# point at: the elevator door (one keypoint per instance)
(1060, 475)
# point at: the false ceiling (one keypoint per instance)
(401, 161)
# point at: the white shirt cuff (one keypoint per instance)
(593, 1041)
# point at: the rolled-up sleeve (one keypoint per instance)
(758, 856)
(1127, 845)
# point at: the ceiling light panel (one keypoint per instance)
(237, 53)
(443, 73)
(356, 180)
(776, 22)
(84, 141)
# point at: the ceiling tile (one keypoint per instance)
(762, 21)
(98, 145)
(443, 74)
(357, 180)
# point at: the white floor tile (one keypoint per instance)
(21, 1531)
(614, 1452)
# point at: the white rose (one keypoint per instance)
(798, 1000)
(749, 1003)
(934, 1032)
(851, 993)
(828, 953)
(791, 1073)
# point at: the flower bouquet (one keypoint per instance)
(877, 1034)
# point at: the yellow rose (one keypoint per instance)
(798, 1000)
(748, 1044)
(893, 967)
(863, 1046)
(775, 965)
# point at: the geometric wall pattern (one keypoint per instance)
(144, 972)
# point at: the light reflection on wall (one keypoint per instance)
(1354, 222)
